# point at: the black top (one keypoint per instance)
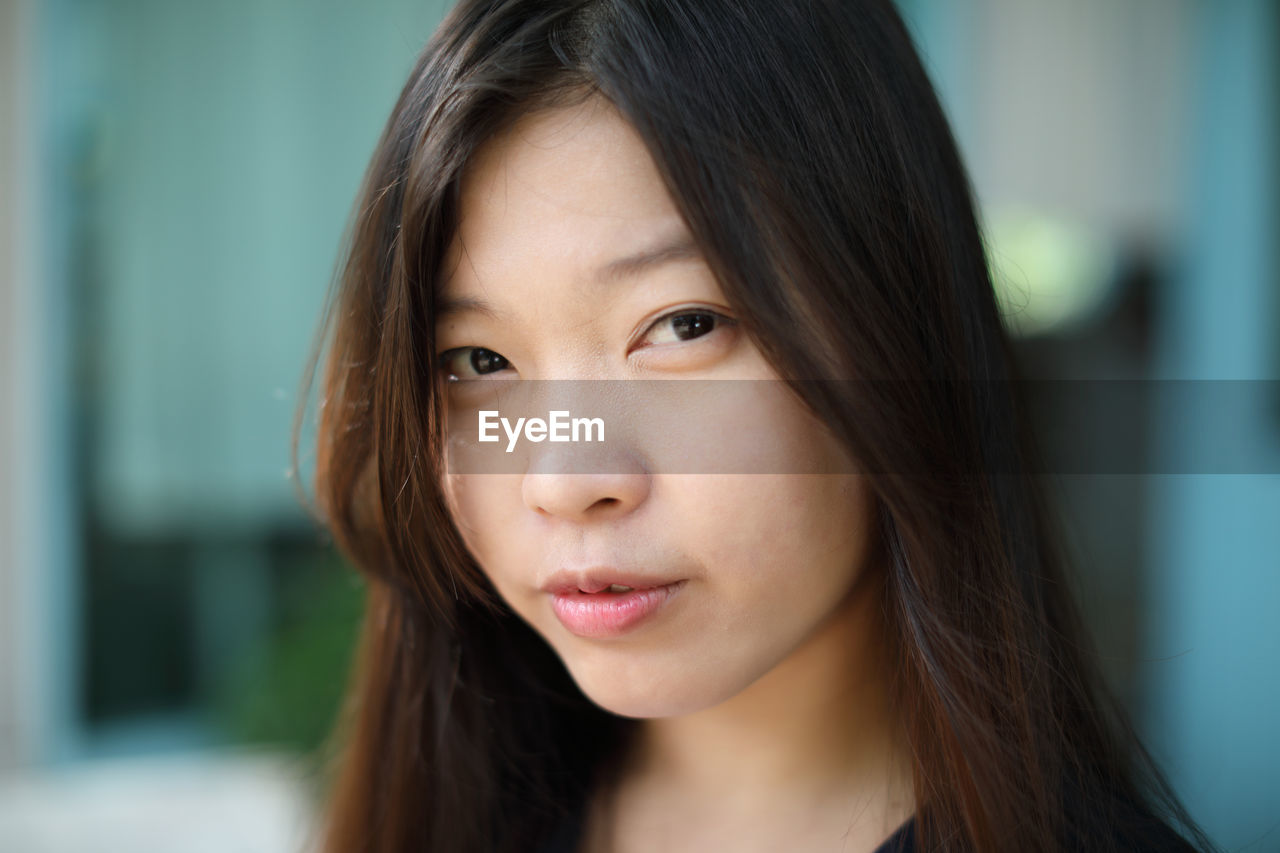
(1144, 834)
(568, 836)
(1119, 825)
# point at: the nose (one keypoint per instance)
(571, 487)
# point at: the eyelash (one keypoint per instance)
(720, 320)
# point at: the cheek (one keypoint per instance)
(803, 532)
(485, 514)
(784, 550)
(779, 555)
(798, 538)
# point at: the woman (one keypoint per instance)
(867, 641)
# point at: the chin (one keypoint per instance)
(641, 693)
(626, 703)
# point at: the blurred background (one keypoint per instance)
(174, 181)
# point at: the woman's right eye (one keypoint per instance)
(471, 362)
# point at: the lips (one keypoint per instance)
(607, 602)
(599, 580)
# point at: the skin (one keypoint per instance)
(762, 683)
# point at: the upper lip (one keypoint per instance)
(601, 578)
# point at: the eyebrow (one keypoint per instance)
(681, 247)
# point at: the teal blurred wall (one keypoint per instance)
(194, 165)
(1213, 705)
(217, 151)
(1159, 121)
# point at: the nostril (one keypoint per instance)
(583, 496)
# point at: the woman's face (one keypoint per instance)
(729, 573)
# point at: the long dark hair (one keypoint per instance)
(803, 144)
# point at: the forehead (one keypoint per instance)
(563, 190)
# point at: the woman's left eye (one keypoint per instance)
(685, 325)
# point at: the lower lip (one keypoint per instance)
(609, 614)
